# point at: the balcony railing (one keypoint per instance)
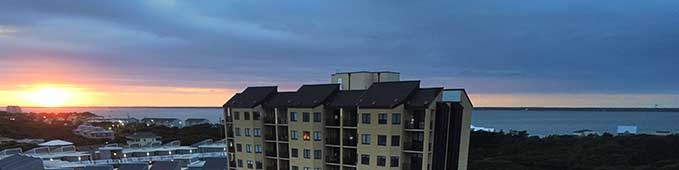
(332, 121)
(270, 153)
(283, 137)
(350, 160)
(350, 142)
(414, 125)
(350, 122)
(332, 159)
(282, 121)
(269, 119)
(413, 146)
(332, 141)
(285, 155)
(269, 136)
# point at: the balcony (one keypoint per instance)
(333, 119)
(269, 119)
(350, 138)
(414, 125)
(350, 118)
(350, 157)
(332, 159)
(270, 153)
(414, 146)
(283, 150)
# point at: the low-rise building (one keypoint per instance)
(584, 132)
(195, 121)
(93, 132)
(14, 109)
(168, 122)
(142, 139)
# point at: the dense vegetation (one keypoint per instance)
(518, 151)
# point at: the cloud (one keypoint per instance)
(576, 46)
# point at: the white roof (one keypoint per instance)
(56, 143)
(627, 129)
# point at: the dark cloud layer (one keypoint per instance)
(489, 46)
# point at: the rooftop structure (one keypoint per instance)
(143, 139)
(388, 125)
(19, 162)
(195, 121)
(14, 109)
(93, 132)
(361, 80)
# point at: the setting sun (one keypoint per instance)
(50, 96)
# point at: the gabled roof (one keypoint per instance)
(165, 165)
(281, 99)
(99, 167)
(56, 143)
(215, 164)
(314, 95)
(388, 94)
(140, 166)
(423, 97)
(18, 162)
(251, 97)
(347, 98)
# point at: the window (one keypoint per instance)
(236, 115)
(394, 161)
(395, 140)
(257, 132)
(396, 118)
(365, 159)
(294, 152)
(307, 154)
(382, 140)
(250, 164)
(256, 116)
(318, 154)
(307, 168)
(239, 148)
(293, 135)
(248, 148)
(306, 135)
(295, 168)
(246, 115)
(258, 148)
(237, 131)
(365, 139)
(366, 118)
(247, 131)
(317, 116)
(382, 118)
(240, 163)
(317, 136)
(381, 161)
(305, 116)
(293, 116)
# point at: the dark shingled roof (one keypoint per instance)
(18, 162)
(314, 95)
(133, 167)
(99, 167)
(215, 164)
(345, 98)
(423, 97)
(165, 165)
(388, 94)
(281, 99)
(251, 97)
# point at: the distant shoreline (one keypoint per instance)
(588, 109)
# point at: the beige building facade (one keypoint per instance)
(389, 125)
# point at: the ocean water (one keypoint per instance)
(535, 122)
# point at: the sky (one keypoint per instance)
(566, 53)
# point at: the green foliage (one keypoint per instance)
(518, 151)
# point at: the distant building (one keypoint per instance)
(168, 122)
(143, 139)
(361, 80)
(627, 130)
(14, 109)
(193, 122)
(584, 132)
(93, 132)
(662, 133)
(123, 121)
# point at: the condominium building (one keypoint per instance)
(389, 125)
